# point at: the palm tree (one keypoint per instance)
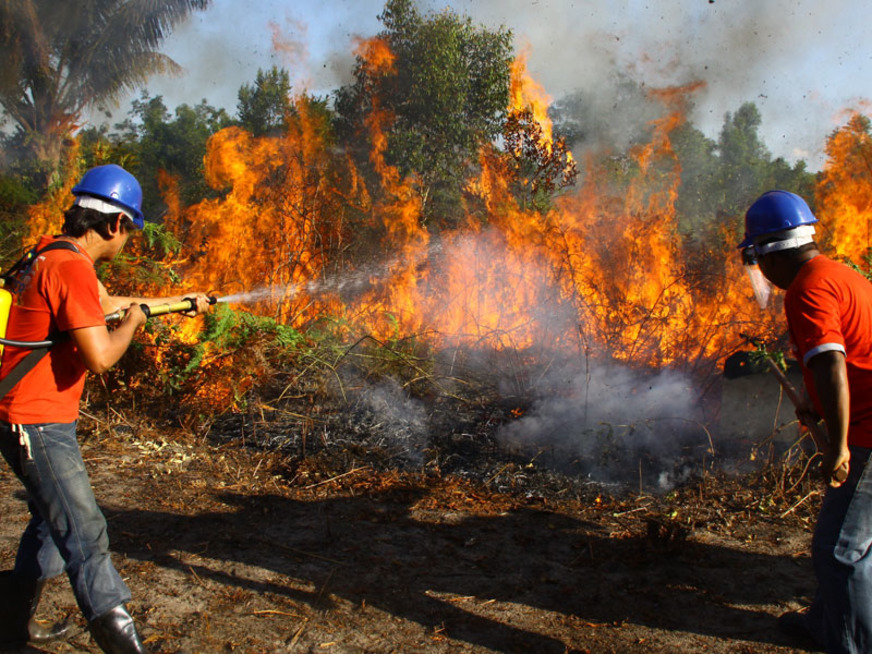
(58, 58)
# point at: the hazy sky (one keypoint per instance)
(803, 62)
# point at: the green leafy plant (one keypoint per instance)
(761, 353)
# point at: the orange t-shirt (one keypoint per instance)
(59, 293)
(829, 307)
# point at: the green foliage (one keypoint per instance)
(98, 146)
(743, 160)
(159, 240)
(225, 333)
(865, 269)
(142, 269)
(761, 354)
(746, 166)
(264, 106)
(448, 92)
(227, 329)
(697, 203)
(15, 196)
(152, 140)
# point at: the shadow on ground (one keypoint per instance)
(470, 577)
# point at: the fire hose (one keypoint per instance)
(188, 304)
(820, 439)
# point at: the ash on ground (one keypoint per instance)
(538, 431)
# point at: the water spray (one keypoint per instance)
(247, 297)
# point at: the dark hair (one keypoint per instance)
(78, 220)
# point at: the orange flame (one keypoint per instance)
(527, 93)
(844, 190)
(47, 216)
(376, 54)
(601, 271)
(268, 230)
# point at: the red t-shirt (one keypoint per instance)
(829, 307)
(59, 293)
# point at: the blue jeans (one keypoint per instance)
(67, 530)
(840, 617)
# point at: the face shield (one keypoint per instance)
(762, 287)
(775, 242)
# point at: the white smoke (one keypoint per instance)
(393, 421)
(610, 421)
(800, 61)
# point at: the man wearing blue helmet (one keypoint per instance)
(57, 297)
(829, 315)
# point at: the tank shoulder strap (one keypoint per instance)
(29, 362)
(27, 260)
(23, 367)
(31, 256)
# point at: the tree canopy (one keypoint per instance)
(264, 107)
(154, 139)
(58, 58)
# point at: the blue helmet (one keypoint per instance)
(775, 211)
(113, 184)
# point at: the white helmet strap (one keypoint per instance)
(788, 239)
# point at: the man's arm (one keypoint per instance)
(831, 383)
(99, 348)
(112, 303)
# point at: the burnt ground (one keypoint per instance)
(229, 548)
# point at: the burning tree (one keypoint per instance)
(543, 166)
(446, 91)
(281, 221)
(844, 192)
(265, 106)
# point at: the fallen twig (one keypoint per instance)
(795, 506)
(497, 474)
(344, 474)
(94, 418)
(274, 612)
(299, 633)
(196, 576)
(622, 513)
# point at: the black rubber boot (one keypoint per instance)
(17, 623)
(38, 632)
(115, 633)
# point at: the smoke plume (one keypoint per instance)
(614, 424)
(797, 60)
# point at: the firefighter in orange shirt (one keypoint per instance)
(58, 293)
(829, 314)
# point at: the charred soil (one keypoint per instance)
(228, 548)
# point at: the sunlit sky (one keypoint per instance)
(803, 62)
